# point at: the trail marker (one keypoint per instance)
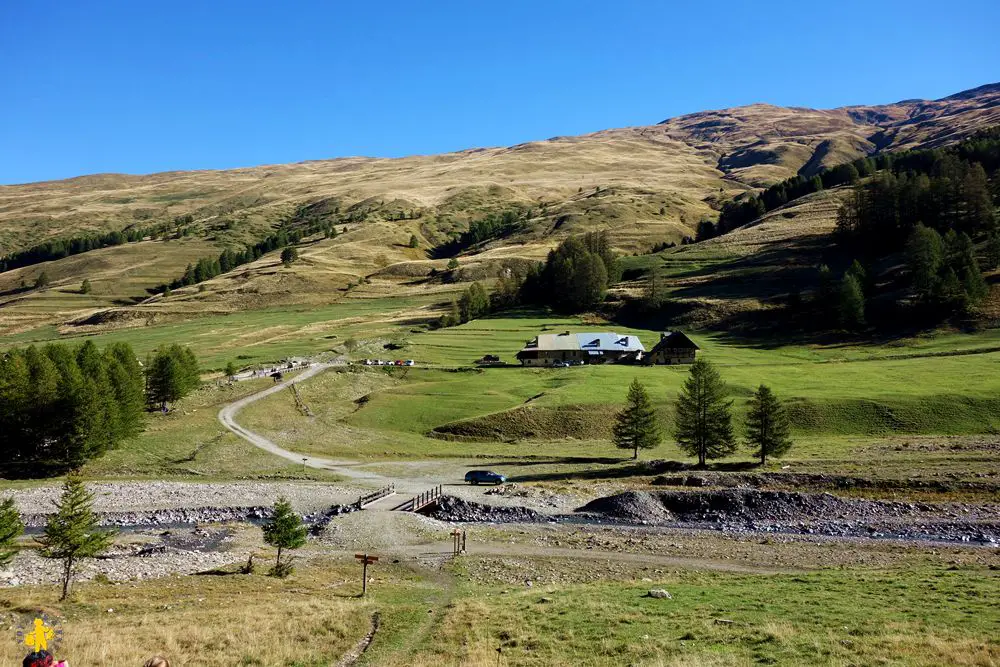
(366, 560)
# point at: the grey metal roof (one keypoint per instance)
(597, 342)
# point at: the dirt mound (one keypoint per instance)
(632, 506)
(752, 504)
(583, 422)
(450, 508)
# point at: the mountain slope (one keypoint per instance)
(644, 184)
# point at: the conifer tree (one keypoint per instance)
(11, 528)
(703, 422)
(767, 427)
(72, 532)
(992, 255)
(289, 255)
(636, 426)
(851, 304)
(284, 531)
(924, 256)
(125, 374)
(85, 287)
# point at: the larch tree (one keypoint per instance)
(284, 531)
(703, 422)
(289, 255)
(851, 303)
(767, 426)
(636, 426)
(72, 532)
(11, 528)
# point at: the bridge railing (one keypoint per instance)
(369, 498)
(422, 500)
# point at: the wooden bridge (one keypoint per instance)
(420, 501)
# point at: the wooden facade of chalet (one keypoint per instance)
(674, 348)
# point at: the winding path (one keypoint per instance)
(227, 416)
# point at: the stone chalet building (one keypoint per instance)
(599, 348)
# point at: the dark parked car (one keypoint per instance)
(484, 477)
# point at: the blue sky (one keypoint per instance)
(139, 87)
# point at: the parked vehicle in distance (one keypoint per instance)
(489, 360)
(560, 364)
(408, 362)
(484, 477)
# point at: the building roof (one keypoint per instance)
(674, 340)
(592, 342)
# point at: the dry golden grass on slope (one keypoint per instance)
(680, 156)
(199, 620)
(644, 185)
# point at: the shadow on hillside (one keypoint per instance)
(560, 460)
(631, 468)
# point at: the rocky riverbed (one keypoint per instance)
(127, 497)
(756, 511)
(144, 555)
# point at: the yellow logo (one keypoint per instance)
(40, 636)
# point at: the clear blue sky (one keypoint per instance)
(139, 87)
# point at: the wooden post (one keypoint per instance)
(366, 560)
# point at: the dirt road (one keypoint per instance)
(227, 416)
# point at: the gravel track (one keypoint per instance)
(227, 416)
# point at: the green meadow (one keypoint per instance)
(841, 397)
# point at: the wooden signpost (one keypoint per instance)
(366, 560)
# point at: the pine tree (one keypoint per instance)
(11, 528)
(636, 426)
(767, 427)
(72, 532)
(42, 280)
(171, 374)
(414, 241)
(992, 255)
(862, 276)
(924, 256)
(231, 370)
(125, 374)
(289, 255)
(703, 423)
(851, 303)
(284, 531)
(85, 287)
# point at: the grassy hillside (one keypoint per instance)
(645, 185)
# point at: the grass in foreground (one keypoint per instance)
(929, 617)
(925, 616)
